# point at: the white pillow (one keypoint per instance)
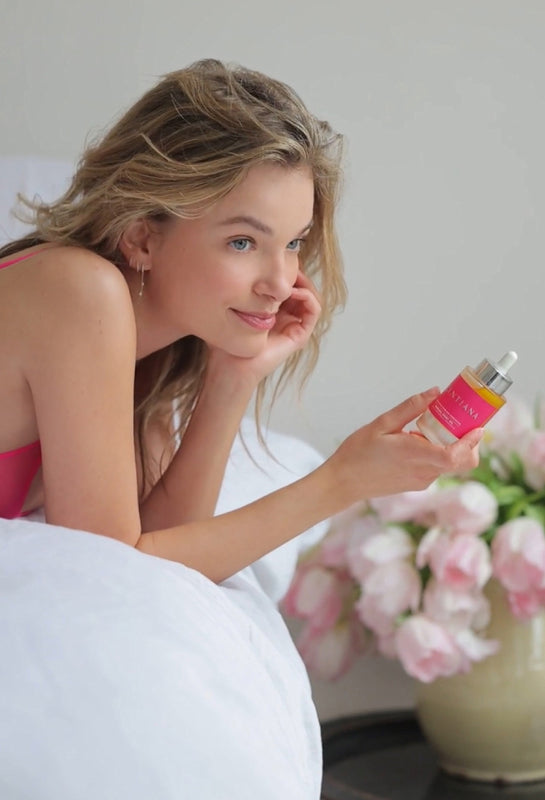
(246, 479)
(31, 175)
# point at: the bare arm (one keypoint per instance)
(189, 487)
(79, 356)
(378, 459)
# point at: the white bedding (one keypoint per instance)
(127, 676)
(46, 178)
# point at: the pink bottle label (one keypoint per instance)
(460, 409)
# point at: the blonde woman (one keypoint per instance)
(193, 255)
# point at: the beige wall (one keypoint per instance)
(442, 105)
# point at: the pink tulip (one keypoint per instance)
(461, 562)
(426, 545)
(456, 610)
(387, 543)
(426, 650)
(316, 593)
(388, 591)
(333, 547)
(405, 506)
(518, 555)
(532, 455)
(504, 431)
(525, 605)
(367, 527)
(345, 526)
(518, 562)
(474, 648)
(329, 654)
(468, 508)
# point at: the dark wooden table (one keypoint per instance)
(384, 756)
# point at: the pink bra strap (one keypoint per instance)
(16, 260)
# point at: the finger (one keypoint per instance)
(473, 438)
(302, 305)
(296, 329)
(466, 450)
(303, 281)
(302, 294)
(395, 420)
(463, 455)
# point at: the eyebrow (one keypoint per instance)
(257, 224)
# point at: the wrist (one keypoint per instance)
(229, 381)
(341, 480)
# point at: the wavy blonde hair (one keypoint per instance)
(185, 144)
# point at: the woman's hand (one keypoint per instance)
(381, 458)
(295, 321)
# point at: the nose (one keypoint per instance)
(277, 276)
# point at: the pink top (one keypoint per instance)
(18, 467)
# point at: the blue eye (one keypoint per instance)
(295, 245)
(240, 245)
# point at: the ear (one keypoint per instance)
(134, 243)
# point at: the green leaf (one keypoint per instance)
(485, 474)
(415, 531)
(536, 512)
(505, 495)
(488, 535)
(517, 468)
(425, 575)
(518, 509)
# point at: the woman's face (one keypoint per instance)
(222, 277)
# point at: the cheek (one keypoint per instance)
(217, 283)
(204, 276)
(224, 276)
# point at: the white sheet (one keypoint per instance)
(127, 676)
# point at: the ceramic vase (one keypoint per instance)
(489, 724)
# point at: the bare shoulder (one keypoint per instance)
(79, 275)
(73, 292)
(78, 362)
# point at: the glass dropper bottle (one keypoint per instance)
(472, 399)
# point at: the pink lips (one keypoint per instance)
(261, 322)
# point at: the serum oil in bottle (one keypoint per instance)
(472, 398)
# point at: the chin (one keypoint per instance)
(245, 349)
(246, 352)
